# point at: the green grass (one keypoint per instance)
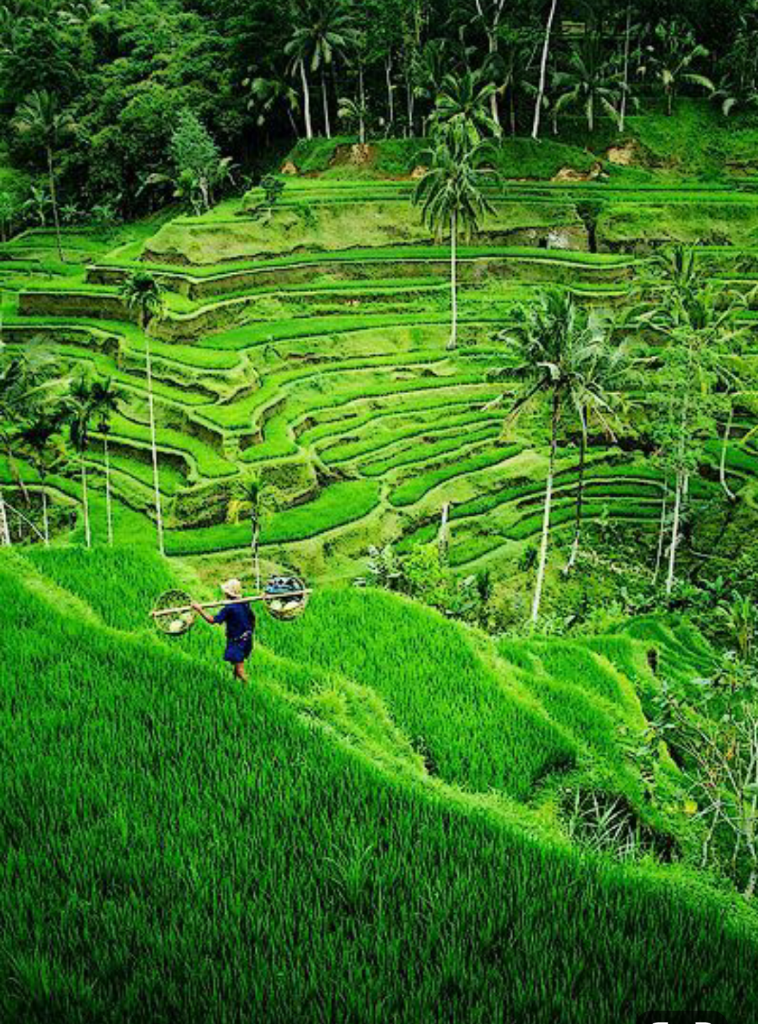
(149, 805)
(337, 505)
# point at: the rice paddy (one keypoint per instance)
(372, 834)
(318, 364)
(381, 828)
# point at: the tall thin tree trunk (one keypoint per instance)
(306, 101)
(675, 532)
(494, 106)
(325, 102)
(579, 500)
(108, 503)
(153, 443)
(543, 71)
(5, 533)
(512, 108)
(724, 446)
(85, 503)
(661, 533)
(409, 103)
(45, 517)
(453, 341)
(390, 92)
(54, 201)
(362, 102)
(443, 537)
(255, 534)
(542, 564)
(625, 89)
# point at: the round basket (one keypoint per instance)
(285, 597)
(178, 623)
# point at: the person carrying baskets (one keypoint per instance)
(239, 620)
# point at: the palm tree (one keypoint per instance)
(38, 440)
(590, 82)
(266, 94)
(556, 349)
(24, 382)
(80, 415)
(539, 101)
(462, 107)
(695, 321)
(142, 294)
(672, 58)
(323, 30)
(39, 117)
(451, 195)
(595, 395)
(106, 398)
(490, 13)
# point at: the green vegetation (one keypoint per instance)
(493, 397)
(364, 769)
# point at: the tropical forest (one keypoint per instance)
(378, 511)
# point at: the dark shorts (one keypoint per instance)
(238, 651)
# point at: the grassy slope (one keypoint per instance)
(179, 848)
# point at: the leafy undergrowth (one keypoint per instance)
(371, 832)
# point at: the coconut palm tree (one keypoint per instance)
(39, 118)
(322, 30)
(80, 412)
(596, 395)
(589, 81)
(490, 13)
(671, 57)
(540, 99)
(462, 107)
(694, 320)
(555, 348)
(39, 441)
(24, 383)
(452, 197)
(106, 399)
(142, 294)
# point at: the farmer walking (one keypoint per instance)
(240, 626)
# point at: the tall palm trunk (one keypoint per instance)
(625, 89)
(153, 443)
(542, 563)
(661, 533)
(45, 518)
(680, 486)
(543, 71)
(443, 535)
(54, 202)
(108, 503)
(306, 100)
(494, 106)
(5, 533)
(85, 501)
(579, 498)
(724, 447)
(453, 341)
(390, 93)
(410, 104)
(254, 545)
(362, 102)
(325, 101)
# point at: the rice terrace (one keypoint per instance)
(378, 512)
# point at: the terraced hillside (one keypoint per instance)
(388, 813)
(305, 346)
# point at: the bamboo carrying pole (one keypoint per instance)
(236, 600)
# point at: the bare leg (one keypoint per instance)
(239, 672)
